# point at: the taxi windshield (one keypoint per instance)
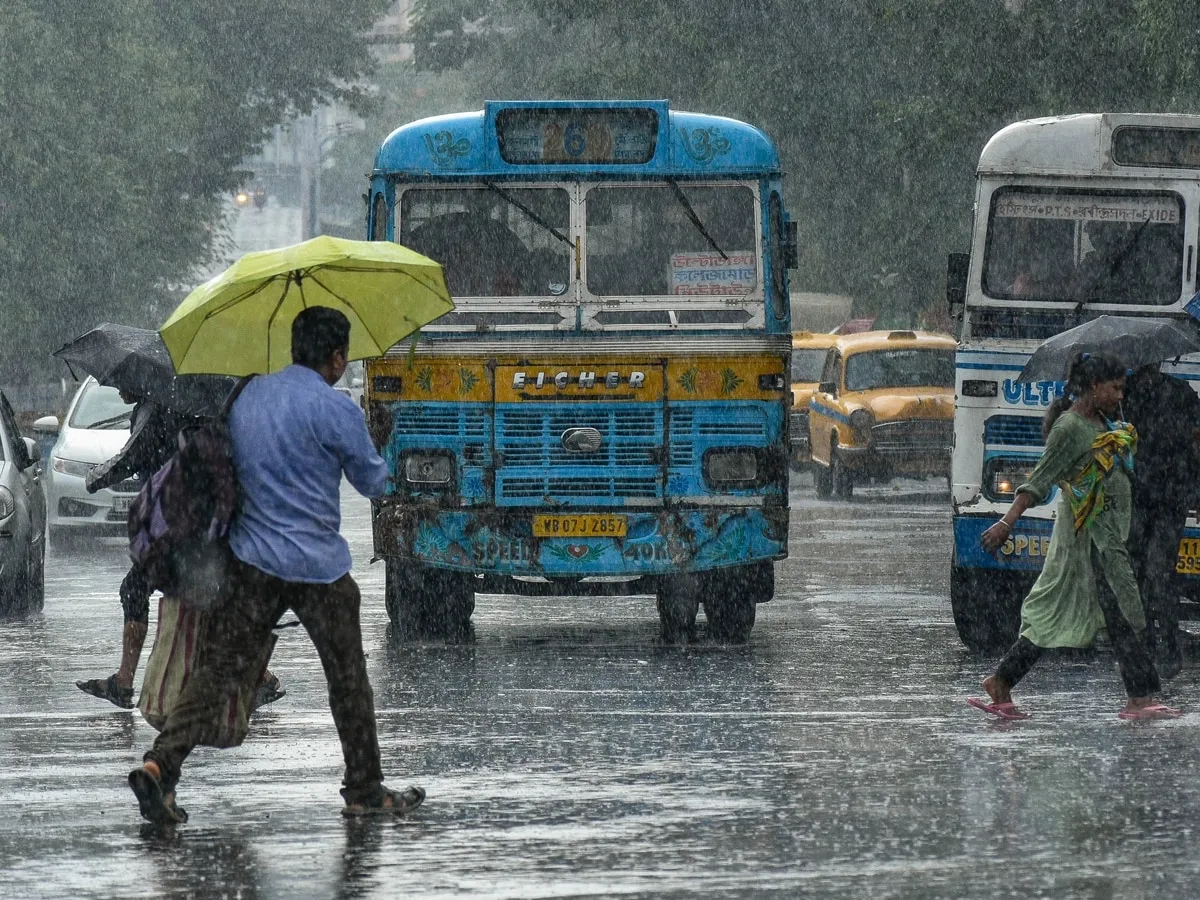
(807, 364)
(900, 368)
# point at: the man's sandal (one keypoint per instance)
(155, 806)
(108, 689)
(386, 803)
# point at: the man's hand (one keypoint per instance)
(379, 424)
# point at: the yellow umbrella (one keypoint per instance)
(240, 322)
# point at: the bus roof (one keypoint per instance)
(1082, 144)
(680, 144)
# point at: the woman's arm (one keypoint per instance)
(998, 533)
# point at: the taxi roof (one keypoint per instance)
(881, 340)
(818, 339)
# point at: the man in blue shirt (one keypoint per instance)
(293, 437)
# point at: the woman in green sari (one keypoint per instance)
(1087, 581)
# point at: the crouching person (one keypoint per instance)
(293, 437)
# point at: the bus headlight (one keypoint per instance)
(1004, 476)
(428, 471)
(731, 468)
(861, 422)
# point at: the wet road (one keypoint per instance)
(566, 755)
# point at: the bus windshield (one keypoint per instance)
(492, 241)
(671, 239)
(1085, 246)
(900, 369)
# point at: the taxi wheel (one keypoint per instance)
(986, 608)
(678, 601)
(839, 475)
(822, 481)
(424, 602)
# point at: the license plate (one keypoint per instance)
(582, 525)
(1188, 560)
(121, 505)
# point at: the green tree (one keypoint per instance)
(123, 127)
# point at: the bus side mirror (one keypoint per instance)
(957, 266)
(790, 248)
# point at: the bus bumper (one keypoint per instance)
(657, 542)
(1024, 551)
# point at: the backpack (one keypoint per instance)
(179, 521)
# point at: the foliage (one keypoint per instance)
(879, 107)
(122, 130)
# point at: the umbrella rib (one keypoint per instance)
(346, 303)
(287, 286)
(428, 285)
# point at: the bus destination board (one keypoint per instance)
(564, 136)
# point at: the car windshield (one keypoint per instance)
(671, 239)
(1112, 247)
(807, 364)
(100, 406)
(900, 368)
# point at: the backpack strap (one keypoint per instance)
(227, 406)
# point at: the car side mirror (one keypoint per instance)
(828, 387)
(46, 425)
(957, 267)
(31, 452)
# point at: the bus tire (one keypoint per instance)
(678, 600)
(729, 606)
(424, 602)
(840, 476)
(822, 481)
(987, 611)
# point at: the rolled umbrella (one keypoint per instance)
(1134, 340)
(136, 361)
(240, 322)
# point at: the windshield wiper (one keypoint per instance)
(691, 214)
(1115, 263)
(115, 420)
(508, 198)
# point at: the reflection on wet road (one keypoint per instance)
(566, 755)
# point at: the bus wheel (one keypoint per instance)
(822, 481)
(729, 604)
(678, 601)
(987, 610)
(840, 476)
(423, 602)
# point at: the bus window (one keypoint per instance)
(658, 240)
(1089, 247)
(504, 242)
(779, 292)
(379, 219)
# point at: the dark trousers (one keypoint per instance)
(238, 631)
(1133, 658)
(1154, 534)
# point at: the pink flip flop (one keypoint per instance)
(1149, 713)
(1003, 710)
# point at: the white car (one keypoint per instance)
(95, 429)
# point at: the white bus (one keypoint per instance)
(1075, 217)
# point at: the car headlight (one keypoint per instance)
(72, 467)
(731, 468)
(1006, 477)
(424, 471)
(861, 422)
(8, 504)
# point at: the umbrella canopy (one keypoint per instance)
(1134, 340)
(240, 322)
(135, 360)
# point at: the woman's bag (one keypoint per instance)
(175, 656)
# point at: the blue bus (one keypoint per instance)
(605, 411)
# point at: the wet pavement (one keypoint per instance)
(566, 755)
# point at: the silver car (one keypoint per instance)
(22, 520)
(95, 428)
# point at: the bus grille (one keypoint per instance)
(696, 429)
(1016, 431)
(919, 435)
(536, 467)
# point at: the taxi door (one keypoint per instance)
(820, 424)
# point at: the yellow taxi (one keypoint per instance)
(809, 350)
(884, 407)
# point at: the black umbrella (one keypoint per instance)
(1134, 340)
(135, 360)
